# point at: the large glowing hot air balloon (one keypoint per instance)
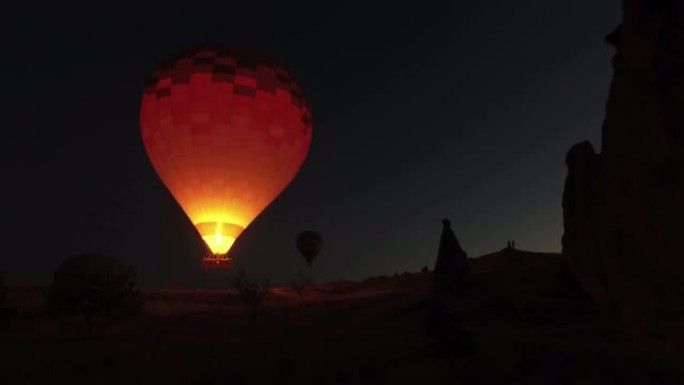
(226, 130)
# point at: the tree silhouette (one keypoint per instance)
(251, 293)
(94, 286)
(300, 284)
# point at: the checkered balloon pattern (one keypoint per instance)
(226, 130)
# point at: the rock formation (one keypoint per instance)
(580, 220)
(452, 262)
(636, 210)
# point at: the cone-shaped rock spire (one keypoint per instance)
(452, 261)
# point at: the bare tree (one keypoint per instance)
(251, 293)
(300, 284)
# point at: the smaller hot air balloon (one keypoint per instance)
(309, 244)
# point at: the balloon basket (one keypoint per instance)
(217, 262)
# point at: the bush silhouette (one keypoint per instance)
(93, 286)
(251, 293)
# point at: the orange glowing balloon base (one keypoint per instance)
(217, 261)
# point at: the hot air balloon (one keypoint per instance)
(226, 130)
(309, 244)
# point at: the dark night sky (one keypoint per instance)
(422, 110)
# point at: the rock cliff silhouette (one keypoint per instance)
(624, 209)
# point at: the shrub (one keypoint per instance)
(376, 279)
(94, 286)
(251, 293)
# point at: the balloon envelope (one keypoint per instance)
(226, 129)
(309, 244)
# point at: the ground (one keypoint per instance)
(519, 322)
